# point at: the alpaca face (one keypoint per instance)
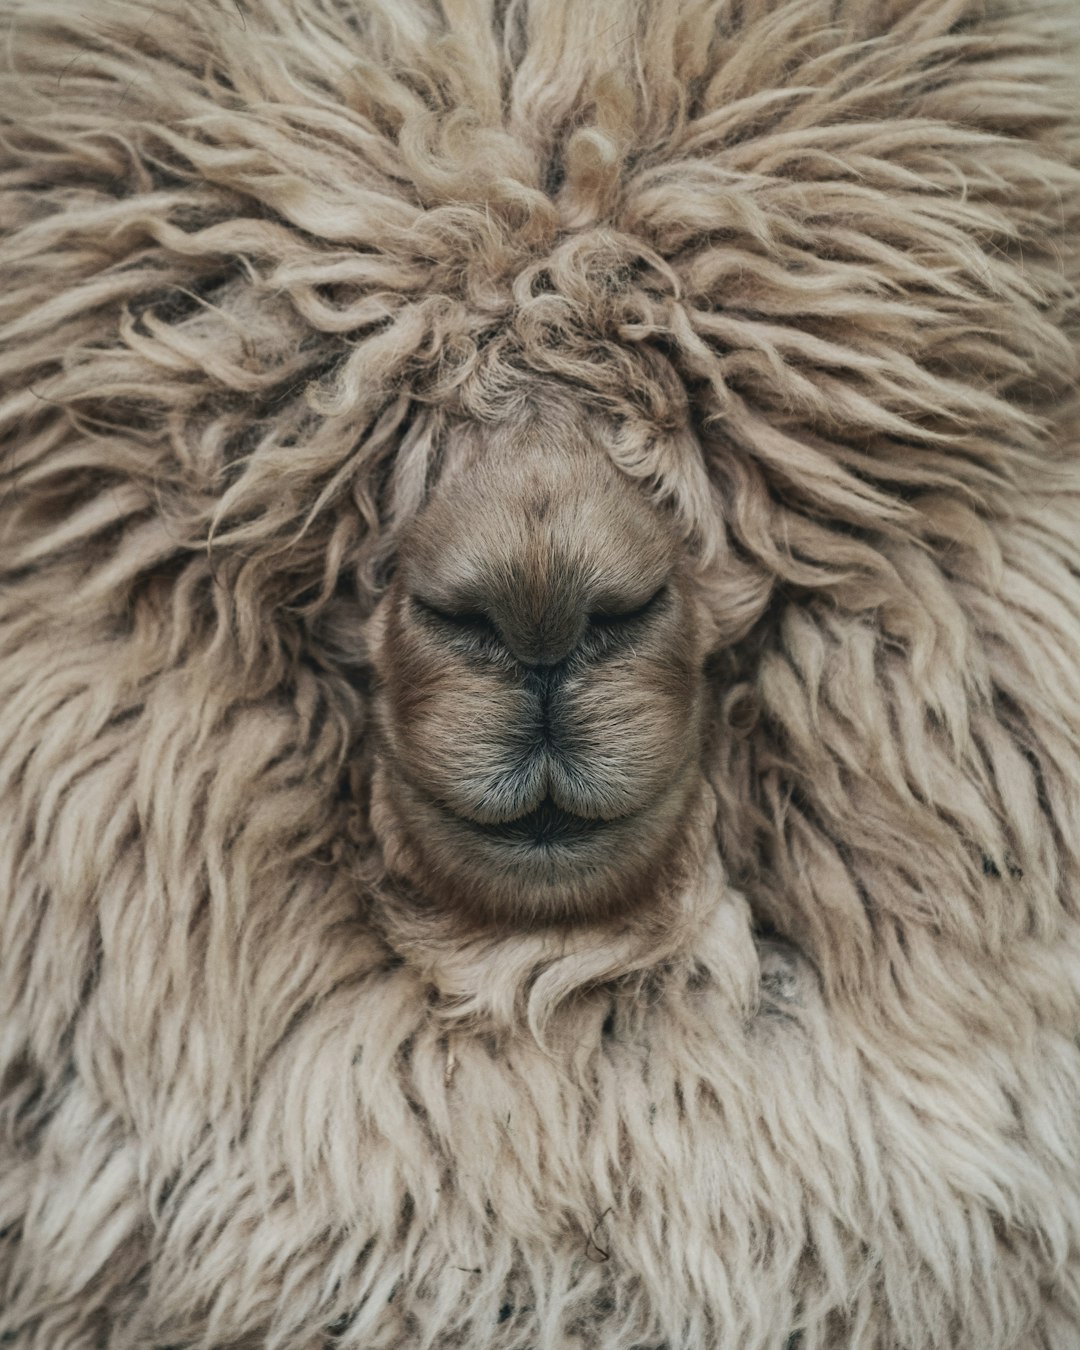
(540, 683)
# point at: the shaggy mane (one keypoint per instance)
(815, 261)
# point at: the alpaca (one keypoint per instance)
(540, 675)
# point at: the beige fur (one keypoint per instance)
(281, 279)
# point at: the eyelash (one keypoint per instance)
(602, 620)
(477, 625)
(474, 620)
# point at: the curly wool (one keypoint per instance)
(817, 261)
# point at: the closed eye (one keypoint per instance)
(615, 618)
(469, 620)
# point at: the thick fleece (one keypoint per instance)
(817, 262)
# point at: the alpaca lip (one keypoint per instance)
(545, 825)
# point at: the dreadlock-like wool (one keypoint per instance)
(815, 261)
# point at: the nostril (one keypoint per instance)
(610, 616)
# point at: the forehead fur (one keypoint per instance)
(698, 217)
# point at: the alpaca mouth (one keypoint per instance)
(544, 826)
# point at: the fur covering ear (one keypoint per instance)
(817, 261)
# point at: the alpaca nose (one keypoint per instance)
(542, 641)
(539, 627)
(542, 626)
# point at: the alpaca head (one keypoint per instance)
(539, 661)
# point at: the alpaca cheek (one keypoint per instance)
(460, 736)
(634, 732)
(455, 734)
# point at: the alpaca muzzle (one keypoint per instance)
(540, 677)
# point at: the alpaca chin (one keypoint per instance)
(503, 971)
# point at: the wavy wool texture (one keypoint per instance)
(816, 260)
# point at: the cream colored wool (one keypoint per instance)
(816, 258)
